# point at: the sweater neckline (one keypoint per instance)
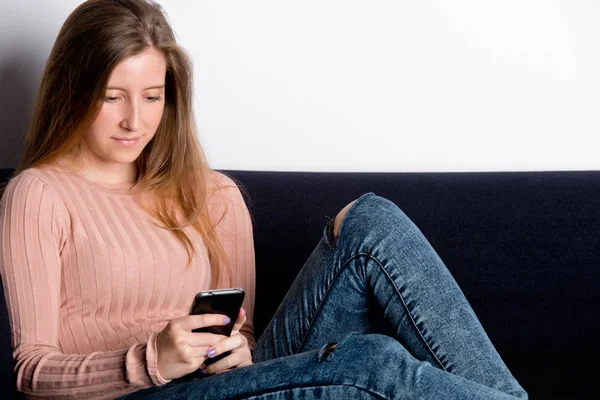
(112, 190)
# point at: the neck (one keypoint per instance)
(114, 175)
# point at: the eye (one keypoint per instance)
(110, 99)
(154, 98)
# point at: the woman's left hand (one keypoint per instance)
(236, 344)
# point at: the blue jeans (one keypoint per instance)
(373, 314)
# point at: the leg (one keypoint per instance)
(335, 231)
(381, 262)
(358, 367)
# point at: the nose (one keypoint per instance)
(131, 119)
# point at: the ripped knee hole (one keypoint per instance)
(327, 351)
(339, 218)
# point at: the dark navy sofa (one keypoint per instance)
(524, 247)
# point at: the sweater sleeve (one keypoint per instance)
(34, 227)
(234, 229)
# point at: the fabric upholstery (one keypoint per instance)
(524, 247)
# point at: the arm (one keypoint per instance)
(234, 229)
(34, 227)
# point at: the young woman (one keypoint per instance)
(114, 222)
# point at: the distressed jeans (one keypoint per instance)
(373, 314)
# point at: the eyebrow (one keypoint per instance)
(148, 88)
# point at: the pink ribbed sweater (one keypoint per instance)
(90, 280)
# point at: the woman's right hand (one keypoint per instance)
(181, 351)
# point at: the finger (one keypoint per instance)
(202, 339)
(232, 360)
(191, 322)
(246, 363)
(198, 353)
(240, 321)
(230, 343)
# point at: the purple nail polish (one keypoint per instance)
(211, 353)
(227, 320)
(203, 372)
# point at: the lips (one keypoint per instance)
(127, 142)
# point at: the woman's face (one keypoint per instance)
(131, 110)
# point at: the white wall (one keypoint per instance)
(376, 85)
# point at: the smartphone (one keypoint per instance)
(218, 301)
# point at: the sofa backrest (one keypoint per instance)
(524, 247)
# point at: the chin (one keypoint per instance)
(124, 158)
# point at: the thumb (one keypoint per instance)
(240, 321)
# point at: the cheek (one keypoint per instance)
(94, 133)
(156, 116)
(106, 120)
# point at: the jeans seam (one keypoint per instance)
(412, 320)
(309, 386)
(301, 342)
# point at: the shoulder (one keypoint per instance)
(221, 187)
(218, 179)
(33, 188)
(49, 175)
(30, 181)
(224, 195)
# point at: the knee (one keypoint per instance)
(339, 218)
(372, 212)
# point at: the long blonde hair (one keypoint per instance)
(93, 40)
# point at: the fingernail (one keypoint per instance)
(203, 371)
(211, 353)
(218, 372)
(227, 320)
